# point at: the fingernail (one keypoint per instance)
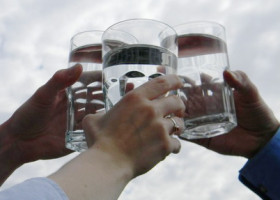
(76, 66)
(72, 71)
(233, 75)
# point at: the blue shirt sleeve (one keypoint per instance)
(262, 172)
(34, 189)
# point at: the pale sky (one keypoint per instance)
(34, 43)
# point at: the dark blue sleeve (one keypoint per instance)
(262, 172)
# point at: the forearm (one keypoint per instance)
(261, 173)
(93, 175)
(9, 156)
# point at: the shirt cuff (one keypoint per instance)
(262, 173)
(34, 189)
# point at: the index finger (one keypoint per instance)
(159, 86)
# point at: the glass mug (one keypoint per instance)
(135, 51)
(85, 96)
(202, 59)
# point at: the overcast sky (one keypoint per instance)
(34, 43)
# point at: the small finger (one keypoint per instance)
(175, 145)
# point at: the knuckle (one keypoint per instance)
(132, 97)
(148, 110)
(140, 105)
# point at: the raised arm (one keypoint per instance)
(126, 142)
(37, 129)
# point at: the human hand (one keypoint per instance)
(39, 125)
(201, 99)
(256, 122)
(135, 131)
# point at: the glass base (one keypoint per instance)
(76, 141)
(209, 126)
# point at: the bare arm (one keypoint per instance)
(126, 142)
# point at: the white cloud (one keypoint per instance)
(195, 173)
(34, 43)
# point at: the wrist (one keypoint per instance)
(266, 139)
(94, 172)
(116, 161)
(9, 154)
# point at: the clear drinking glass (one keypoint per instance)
(202, 59)
(85, 96)
(135, 51)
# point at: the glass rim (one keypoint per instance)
(86, 31)
(138, 19)
(200, 22)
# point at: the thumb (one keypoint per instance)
(63, 78)
(242, 85)
(59, 81)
